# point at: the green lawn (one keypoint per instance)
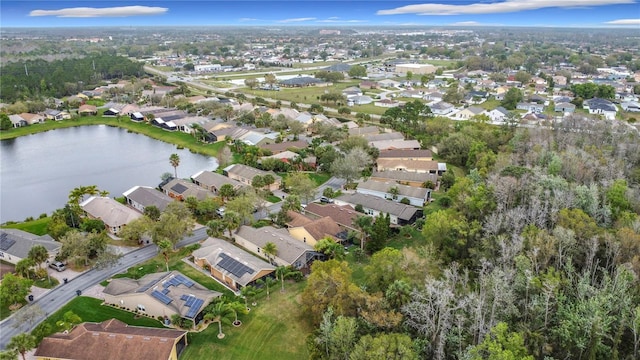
(90, 310)
(274, 329)
(319, 178)
(306, 95)
(273, 199)
(38, 227)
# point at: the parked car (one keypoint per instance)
(220, 211)
(326, 200)
(57, 265)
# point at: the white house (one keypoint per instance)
(390, 190)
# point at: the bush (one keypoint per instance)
(405, 201)
(444, 201)
(42, 216)
(359, 208)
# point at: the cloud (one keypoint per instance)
(505, 6)
(247, 19)
(296, 20)
(338, 20)
(466, 23)
(87, 12)
(624, 22)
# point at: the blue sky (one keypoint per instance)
(562, 13)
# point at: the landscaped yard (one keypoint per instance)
(305, 95)
(38, 227)
(275, 329)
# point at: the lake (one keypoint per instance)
(38, 171)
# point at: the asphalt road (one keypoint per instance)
(53, 300)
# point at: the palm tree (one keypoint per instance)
(237, 307)
(363, 222)
(218, 312)
(38, 254)
(247, 292)
(174, 159)
(165, 246)
(268, 282)
(398, 293)
(215, 228)
(231, 220)
(270, 250)
(22, 343)
(283, 272)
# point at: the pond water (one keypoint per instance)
(38, 171)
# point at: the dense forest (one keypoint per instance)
(39, 78)
(533, 255)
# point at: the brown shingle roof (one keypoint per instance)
(343, 215)
(110, 340)
(406, 154)
(323, 227)
(277, 148)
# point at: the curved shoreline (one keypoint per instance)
(177, 138)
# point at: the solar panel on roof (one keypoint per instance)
(165, 291)
(184, 280)
(234, 266)
(193, 311)
(184, 297)
(5, 242)
(161, 297)
(179, 188)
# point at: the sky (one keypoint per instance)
(318, 13)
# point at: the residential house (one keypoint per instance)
(368, 84)
(352, 91)
(56, 115)
(408, 165)
(405, 177)
(390, 190)
(416, 94)
(418, 155)
(387, 103)
(213, 181)
(289, 250)
(310, 231)
(564, 107)
(343, 215)
(400, 214)
(161, 294)
(442, 108)
(498, 115)
(112, 340)
(139, 197)
(388, 83)
(290, 157)
(359, 100)
(15, 245)
(245, 175)
(530, 107)
(277, 148)
(601, 107)
(468, 113)
(396, 144)
(434, 97)
(18, 121)
(230, 265)
(256, 138)
(87, 110)
(111, 112)
(32, 119)
(630, 106)
(363, 131)
(393, 135)
(113, 214)
(181, 189)
(476, 97)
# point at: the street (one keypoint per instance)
(63, 293)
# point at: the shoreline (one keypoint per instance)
(179, 139)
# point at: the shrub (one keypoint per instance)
(405, 201)
(359, 208)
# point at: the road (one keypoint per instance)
(53, 300)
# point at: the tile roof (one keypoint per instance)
(280, 147)
(110, 340)
(342, 214)
(403, 190)
(406, 154)
(248, 172)
(213, 179)
(185, 189)
(404, 176)
(395, 144)
(407, 165)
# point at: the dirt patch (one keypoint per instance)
(6, 268)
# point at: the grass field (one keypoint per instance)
(274, 329)
(38, 226)
(306, 95)
(90, 310)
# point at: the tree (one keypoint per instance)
(5, 122)
(270, 250)
(226, 192)
(244, 205)
(22, 343)
(330, 248)
(351, 165)
(218, 312)
(176, 221)
(284, 272)
(24, 266)
(8, 355)
(398, 293)
(500, 344)
(152, 212)
(251, 83)
(165, 246)
(69, 320)
(512, 98)
(231, 220)
(136, 229)
(174, 160)
(14, 289)
(363, 223)
(237, 307)
(385, 267)
(296, 128)
(270, 78)
(247, 292)
(380, 231)
(268, 282)
(357, 71)
(301, 185)
(384, 347)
